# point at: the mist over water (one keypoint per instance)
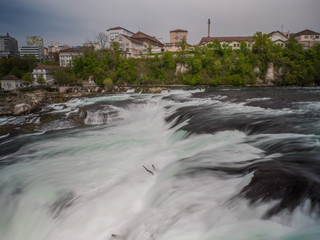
(207, 165)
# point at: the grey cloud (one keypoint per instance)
(74, 21)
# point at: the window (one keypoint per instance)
(238, 45)
(306, 37)
(120, 38)
(317, 37)
(234, 45)
(127, 44)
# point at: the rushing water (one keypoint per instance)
(181, 165)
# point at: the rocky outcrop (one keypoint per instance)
(150, 90)
(21, 108)
(181, 68)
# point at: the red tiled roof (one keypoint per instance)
(42, 66)
(205, 40)
(119, 28)
(78, 49)
(132, 39)
(305, 32)
(281, 33)
(11, 77)
(145, 37)
(179, 30)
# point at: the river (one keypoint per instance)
(220, 163)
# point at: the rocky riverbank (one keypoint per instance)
(21, 103)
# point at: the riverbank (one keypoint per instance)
(21, 103)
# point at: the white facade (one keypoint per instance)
(45, 71)
(278, 38)
(112, 33)
(130, 46)
(66, 57)
(11, 83)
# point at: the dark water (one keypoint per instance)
(220, 163)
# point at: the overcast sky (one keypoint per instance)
(74, 22)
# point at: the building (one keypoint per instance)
(34, 47)
(112, 33)
(36, 51)
(34, 41)
(10, 83)
(66, 56)
(46, 71)
(307, 38)
(139, 43)
(153, 42)
(94, 45)
(279, 38)
(131, 46)
(8, 46)
(176, 36)
(233, 42)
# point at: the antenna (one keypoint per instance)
(209, 22)
(282, 28)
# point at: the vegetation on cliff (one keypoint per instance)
(212, 64)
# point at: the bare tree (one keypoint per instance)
(102, 39)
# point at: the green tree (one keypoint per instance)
(41, 80)
(261, 44)
(27, 79)
(149, 49)
(65, 76)
(108, 84)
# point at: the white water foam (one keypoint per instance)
(92, 184)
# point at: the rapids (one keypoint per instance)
(223, 163)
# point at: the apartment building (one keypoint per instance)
(8, 46)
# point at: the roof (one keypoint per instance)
(119, 28)
(205, 40)
(305, 32)
(43, 66)
(132, 39)
(145, 37)
(79, 49)
(11, 77)
(281, 33)
(179, 30)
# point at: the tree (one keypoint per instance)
(149, 49)
(183, 45)
(102, 39)
(108, 83)
(26, 79)
(261, 44)
(41, 80)
(65, 76)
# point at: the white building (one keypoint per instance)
(233, 42)
(46, 71)
(36, 51)
(66, 56)
(139, 43)
(10, 83)
(112, 33)
(279, 38)
(307, 38)
(129, 45)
